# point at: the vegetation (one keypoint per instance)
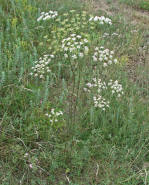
(69, 112)
(143, 4)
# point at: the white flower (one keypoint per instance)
(48, 15)
(74, 56)
(105, 65)
(52, 111)
(100, 59)
(40, 18)
(65, 55)
(115, 61)
(52, 56)
(73, 35)
(110, 56)
(41, 76)
(78, 36)
(101, 20)
(63, 41)
(104, 55)
(109, 62)
(105, 58)
(65, 49)
(85, 89)
(26, 154)
(72, 44)
(89, 84)
(71, 49)
(85, 40)
(91, 19)
(30, 165)
(96, 18)
(94, 59)
(99, 101)
(60, 112)
(54, 116)
(81, 54)
(86, 48)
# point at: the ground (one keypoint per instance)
(51, 130)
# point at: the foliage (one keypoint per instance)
(69, 113)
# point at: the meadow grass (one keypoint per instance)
(64, 121)
(142, 4)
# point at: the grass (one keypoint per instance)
(86, 145)
(142, 4)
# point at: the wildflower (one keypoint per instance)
(105, 56)
(105, 34)
(101, 20)
(30, 165)
(81, 54)
(100, 88)
(54, 115)
(85, 40)
(86, 48)
(105, 65)
(74, 56)
(94, 59)
(26, 154)
(115, 34)
(115, 61)
(65, 55)
(116, 88)
(46, 16)
(75, 46)
(72, 11)
(41, 68)
(100, 102)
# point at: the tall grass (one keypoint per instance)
(85, 144)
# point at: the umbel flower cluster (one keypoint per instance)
(105, 35)
(100, 88)
(105, 56)
(100, 102)
(75, 46)
(101, 20)
(47, 15)
(54, 115)
(116, 88)
(41, 68)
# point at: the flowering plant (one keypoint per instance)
(47, 15)
(100, 90)
(41, 68)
